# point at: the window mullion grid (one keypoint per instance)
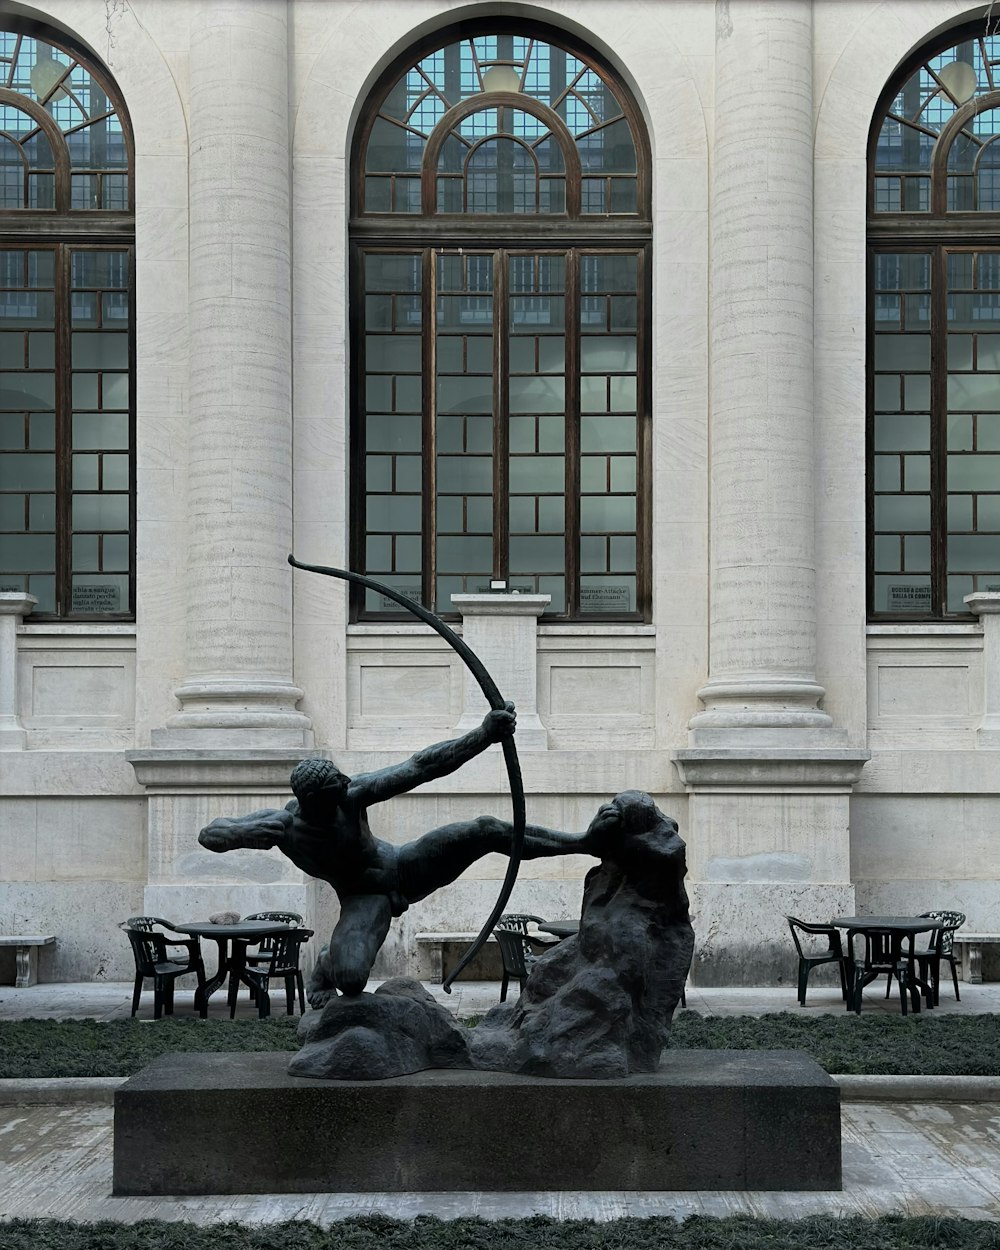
(428, 390)
(64, 432)
(572, 480)
(501, 422)
(939, 431)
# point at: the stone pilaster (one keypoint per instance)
(14, 607)
(238, 689)
(986, 605)
(502, 629)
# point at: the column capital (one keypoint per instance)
(502, 603)
(983, 602)
(16, 603)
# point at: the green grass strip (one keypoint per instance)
(376, 1232)
(924, 1045)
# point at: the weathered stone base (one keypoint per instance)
(233, 1124)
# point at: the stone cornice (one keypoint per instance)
(752, 768)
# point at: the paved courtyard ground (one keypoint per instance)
(937, 1158)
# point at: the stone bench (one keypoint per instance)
(26, 955)
(970, 947)
(430, 946)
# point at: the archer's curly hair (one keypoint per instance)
(319, 786)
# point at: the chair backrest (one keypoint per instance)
(279, 917)
(512, 951)
(945, 938)
(828, 931)
(146, 923)
(148, 948)
(878, 947)
(285, 949)
(518, 921)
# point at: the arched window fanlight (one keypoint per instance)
(555, 127)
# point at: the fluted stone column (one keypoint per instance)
(238, 688)
(763, 596)
(769, 777)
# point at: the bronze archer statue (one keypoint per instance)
(324, 831)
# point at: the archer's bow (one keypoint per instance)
(495, 700)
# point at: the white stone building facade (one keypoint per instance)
(822, 754)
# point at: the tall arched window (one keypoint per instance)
(934, 331)
(66, 354)
(500, 233)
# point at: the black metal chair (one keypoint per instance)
(941, 947)
(265, 948)
(149, 949)
(283, 962)
(834, 953)
(517, 951)
(881, 956)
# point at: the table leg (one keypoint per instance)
(972, 964)
(201, 997)
(237, 969)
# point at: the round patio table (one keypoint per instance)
(900, 929)
(232, 940)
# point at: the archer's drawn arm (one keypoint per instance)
(434, 761)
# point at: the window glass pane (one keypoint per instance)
(537, 554)
(100, 430)
(910, 433)
(536, 473)
(27, 553)
(100, 512)
(610, 512)
(974, 553)
(27, 472)
(902, 512)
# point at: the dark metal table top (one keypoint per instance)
(560, 928)
(242, 929)
(896, 924)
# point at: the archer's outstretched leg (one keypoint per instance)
(356, 940)
(443, 854)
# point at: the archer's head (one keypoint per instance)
(320, 788)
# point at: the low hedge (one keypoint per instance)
(923, 1045)
(376, 1232)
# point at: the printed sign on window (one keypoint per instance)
(904, 598)
(97, 598)
(605, 599)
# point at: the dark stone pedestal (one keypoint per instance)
(238, 1123)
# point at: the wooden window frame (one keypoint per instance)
(936, 232)
(65, 230)
(564, 233)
